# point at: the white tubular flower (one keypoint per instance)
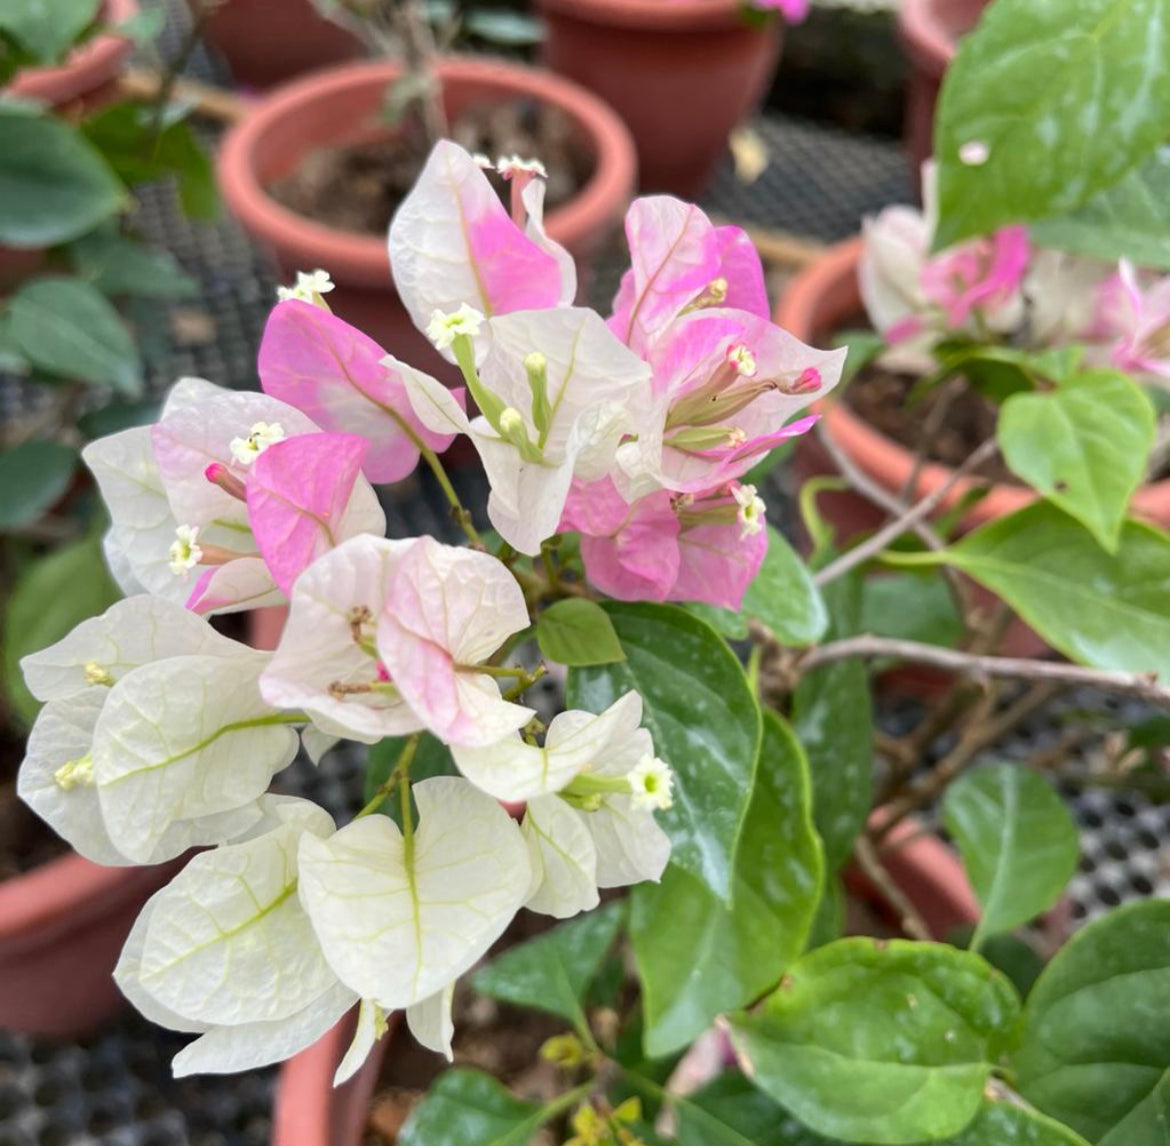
(260, 437)
(652, 782)
(309, 287)
(445, 327)
(184, 552)
(751, 510)
(510, 165)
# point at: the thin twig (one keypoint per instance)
(917, 513)
(203, 12)
(931, 426)
(1141, 685)
(911, 922)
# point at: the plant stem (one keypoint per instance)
(203, 11)
(908, 520)
(908, 917)
(1141, 685)
(401, 771)
(460, 512)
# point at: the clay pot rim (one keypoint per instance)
(924, 33)
(57, 889)
(654, 15)
(364, 258)
(881, 457)
(89, 66)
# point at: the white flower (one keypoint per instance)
(185, 553)
(310, 285)
(652, 782)
(751, 510)
(483, 161)
(509, 165)
(445, 327)
(743, 360)
(260, 437)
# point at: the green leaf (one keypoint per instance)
(704, 721)
(505, 26)
(1010, 954)
(117, 265)
(67, 328)
(47, 29)
(33, 478)
(126, 134)
(733, 954)
(50, 597)
(723, 621)
(731, 1105)
(119, 415)
(1110, 611)
(828, 924)
(1130, 220)
(783, 597)
(1084, 446)
(880, 1042)
(833, 717)
(1096, 1044)
(911, 607)
(578, 632)
(553, 972)
(54, 186)
(469, 1108)
(431, 758)
(144, 27)
(1018, 842)
(1066, 96)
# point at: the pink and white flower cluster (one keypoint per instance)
(1004, 288)
(158, 734)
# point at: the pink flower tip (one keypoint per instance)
(809, 382)
(218, 474)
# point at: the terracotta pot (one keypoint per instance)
(681, 74)
(826, 297)
(62, 927)
(309, 1112)
(930, 31)
(339, 104)
(266, 42)
(88, 77)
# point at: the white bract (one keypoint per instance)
(401, 916)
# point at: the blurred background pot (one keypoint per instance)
(931, 31)
(62, 927)
(681, 73)
(340, 104)
(267, 42)
(89, 76)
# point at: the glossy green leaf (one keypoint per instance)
(880, 1042)
(505, 26)
(553, 971)
(47, 29)
(1129, 220)
(1096, 1046)
(704, 721)
(1110, 611)
(119, 415)
(833, 717)
(1012, 955)
(54, 186)
(1084, 446)
(33, 477)
(1063, 97)
(469, 1108)
(733, 954)
(730, 1102)
(911, 607)
(723, 621)
(1018, 842)
(67, 328)
(784, 598)
(578, 632)
(828, 924)
(50, 597)
(117, 265)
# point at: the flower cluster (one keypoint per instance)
(1002, 288)
(158, 734)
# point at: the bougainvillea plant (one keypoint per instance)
(711, 772)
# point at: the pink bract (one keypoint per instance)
(298, 494)
(335, 374)
(982, 275)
